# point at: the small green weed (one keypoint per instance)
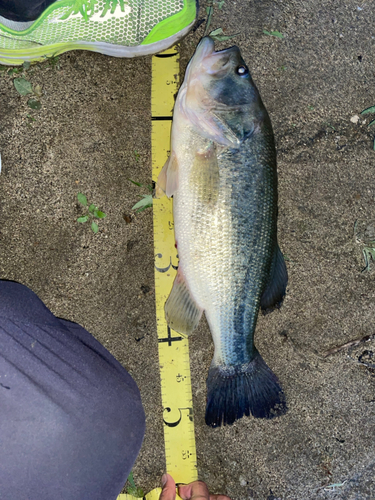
(24, 87)
(371, 109)
(137, 155)
(132, 489)
(34, 104)
(93, 213)
(366, 239)
(30, 120)
(333, 487)
(146, 199)
(15, 71)
(329, 125)
(215, 3)
(53, 61)
(217, 34)
(273, 33)
(288, 259)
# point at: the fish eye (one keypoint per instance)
(242, 70)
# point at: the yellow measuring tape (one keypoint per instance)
(179, 437)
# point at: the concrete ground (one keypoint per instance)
(92, 134)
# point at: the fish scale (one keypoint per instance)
(223, 177)
(238, 205)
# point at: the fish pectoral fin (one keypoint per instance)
(275, 289)
(168, 178)
(222, 133)
(181, 311)
(214, 128)
(233, 130)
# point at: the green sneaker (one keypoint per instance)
(121, 28)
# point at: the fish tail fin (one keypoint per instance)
(235, 391)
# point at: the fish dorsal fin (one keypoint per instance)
(181, 311)
(275, 289)
(168, 178)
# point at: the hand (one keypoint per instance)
(194, 491)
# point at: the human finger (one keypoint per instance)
(168, 488)
(198, 490)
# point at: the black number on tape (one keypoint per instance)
(176, 422)
(165, 269)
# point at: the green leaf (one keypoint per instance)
(371, 123)
(38, 90)
(135, 492)
(136, 183)
(100, 215)
(219, 36)
(54, 61)
(34, 104)
(131, 480)
(132, 489)
(209, 11)
(92, 208)
(218, 31)
(82, 199)
(13, 71)
(94, 227)
(145, 202)
(26, 65)
(23, 86)
(371, 109)
(83, 219)
(329, 125)
(273, 33)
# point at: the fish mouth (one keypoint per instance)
(211, 62)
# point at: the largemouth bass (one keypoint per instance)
(222, 175)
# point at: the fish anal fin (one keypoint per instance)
(167, 182)
(181, 311)
(275, 289)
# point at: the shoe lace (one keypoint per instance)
(86, 8)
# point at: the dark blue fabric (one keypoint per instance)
(71, 418)
(23, 10)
